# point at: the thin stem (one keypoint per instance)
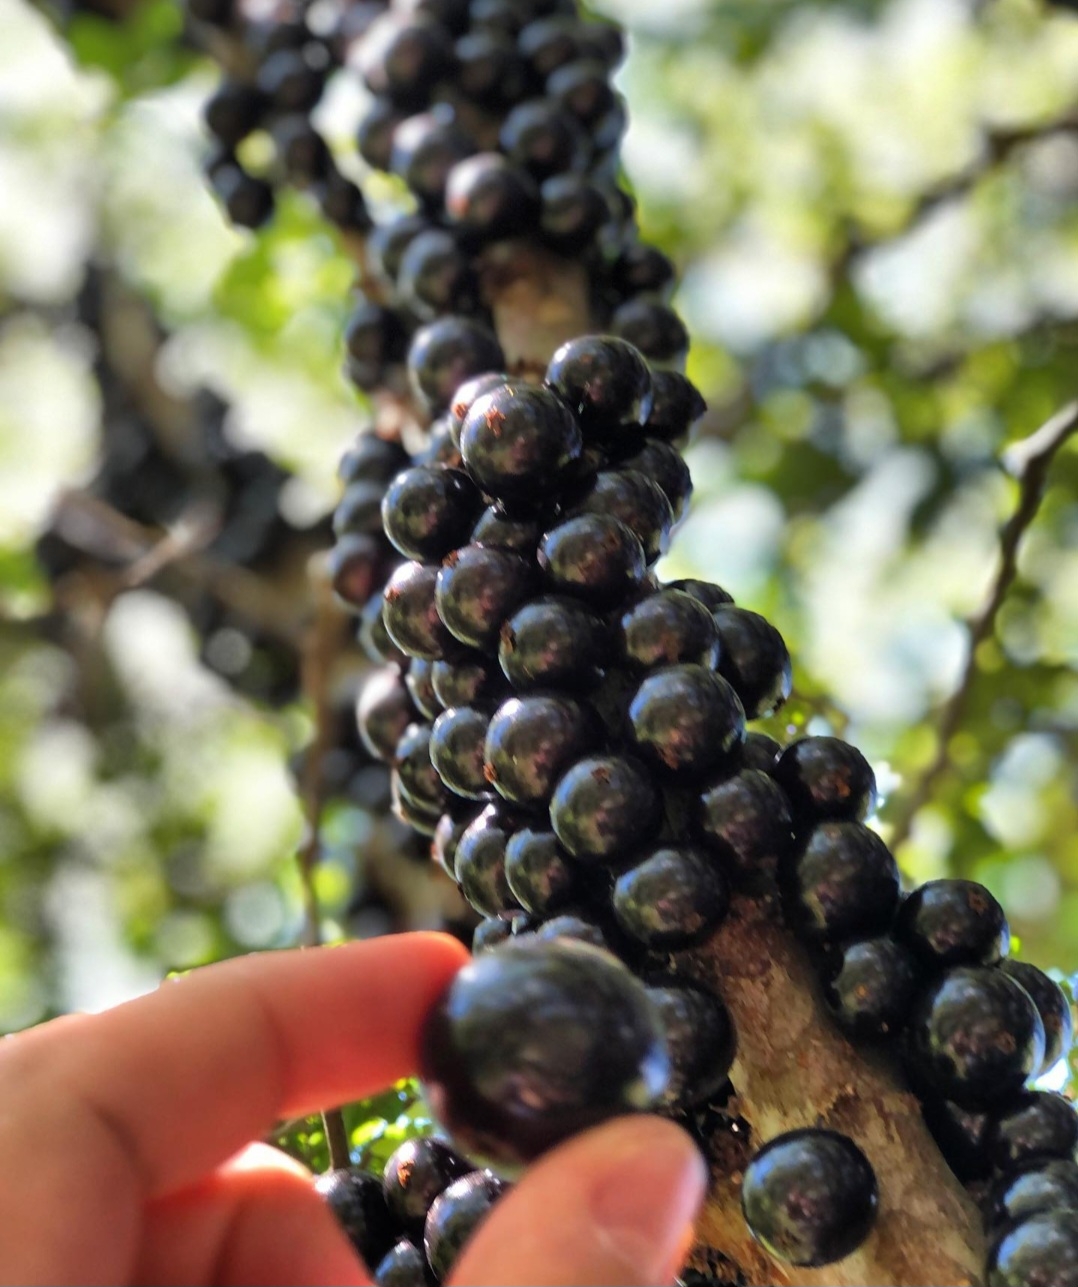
(1029, 462)
(340, 1152)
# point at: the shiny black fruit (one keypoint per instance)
(479, 863)
(746, 819)
(403, 1265)
(478, 588)
(672, 898)
(1038, 1123)
(953, 922)
(517, 440)
(415, 1174)
(666, 629)
(826, 778)
(686, 722)
(699, 1036)
(535, 1041)
(555, 642)
(594, 557)
(974, 1037)
(603, 380)
(754, 658)
(1051, 1001)
(358, 1202)
(810, 1197)
(1044, 1185)
(605, 808)
(843, 883)
(871, 990)
(1041, 1251)
(455, 1215)
(531, 742)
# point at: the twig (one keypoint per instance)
(1029, 461)
(320, 649)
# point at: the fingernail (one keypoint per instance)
(650, 1191)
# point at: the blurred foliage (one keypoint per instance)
(875, 209)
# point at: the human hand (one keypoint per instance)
(127, 1153)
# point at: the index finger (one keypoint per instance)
(179, 1080)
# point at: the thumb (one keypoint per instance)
(610, 1207)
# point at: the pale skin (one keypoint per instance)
(129, 1139)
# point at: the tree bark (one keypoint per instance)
(793, 1067)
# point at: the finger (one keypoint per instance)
(611, 1207)
(257, 1219)
(147, 1098)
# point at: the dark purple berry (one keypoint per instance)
(530, 743)
(372, 459)
(373, 636)
(706, 592)
(468, 393)
(673, 897)
(583, 89)
(746, 819)
(536, 1041)
(699, 1036)
(403, 1265)
(357, 565)
(871, 989)
(760, 752)
(247, 200)
(666, 466)
(517, 440)
(550, 43)
(490, 70)
(389, 242)
(447, 834)
(301, 151)
(1041, 1251)
(572, 926)
(290, 81)
(447, 352)
(410, 612)
(402, 60)
(488, 198)
(359, 509)
(374, 136)
(469, 680)
(1037, 1124)
(544, 139)
(478, 589)
(233, 112)
(666, 628)
(641, 269)
(417, 814)
(573, 211)
(953, 922)
(753, 657)
(676, 406)
(419, 780)
(655, 329)
(428, 511)
(420, 682)
(605, 808)
(454, 1217)
(553, 642)
(605, 382)
(842, 884)
(826, 778)
(416, 1173)
(376, 338)
(480, 861)
(630, 496)
(436, 275)
(1051, 1001)
(974, 1037)
(686, 722)
(456, 750)
(1044, 1185)
(810, 1197)
(357, 1200)
(594, 557)
(497, 528)
(541, 875)
(384, 711)
(426, 147)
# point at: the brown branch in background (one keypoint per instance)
(321, 647)
(998, 146)
(1029, 461)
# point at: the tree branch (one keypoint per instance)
(1029, 461)
(793, 1067)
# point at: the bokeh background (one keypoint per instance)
(874, 209)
